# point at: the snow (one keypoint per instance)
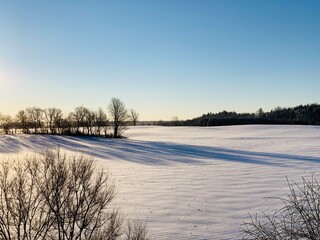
(191, 182)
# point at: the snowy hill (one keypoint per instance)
(190, 182)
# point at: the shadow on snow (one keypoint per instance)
(146, 152)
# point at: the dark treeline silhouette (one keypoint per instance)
(82, 121)
(303, 114)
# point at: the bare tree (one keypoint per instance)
(53, 118)
(134, 116)
(299, 218)
(101, 122)
(89, 119)
(59, 198)
(35, 116)
(79, 118)
(23, 212)
(119, 116)
(58, 120)
(22, 122)
(175, 121)
(77, 197)
(6, 122)
(68, 124)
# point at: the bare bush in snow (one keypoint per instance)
(299, 218)
(56, 197)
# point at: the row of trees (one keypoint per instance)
(303, 114)
(82, 121)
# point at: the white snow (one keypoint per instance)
(191, 182)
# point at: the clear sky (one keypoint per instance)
(163, 58)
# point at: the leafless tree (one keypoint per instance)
(79, 115)
(35, 116)
(89, 121)
(68, 124)
(53, 118)
(101, 122)
(175, 121)
(58, 120)
(58, 198)
(22, 122)
(77, 198)
(23, 212)
(119, 116)
(134, 116)
(6, 123)
(299, 218)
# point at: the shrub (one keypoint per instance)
(299, 218)
(52, 196)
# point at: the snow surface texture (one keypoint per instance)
(190, 182)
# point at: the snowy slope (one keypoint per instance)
(190, 182)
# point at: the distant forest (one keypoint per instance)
(303, 115)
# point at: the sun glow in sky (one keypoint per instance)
(163, 58)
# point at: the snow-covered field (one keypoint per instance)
(190, 182)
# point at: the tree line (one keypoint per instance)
(82, 121)
(302, 114)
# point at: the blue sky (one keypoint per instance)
(163, 58)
